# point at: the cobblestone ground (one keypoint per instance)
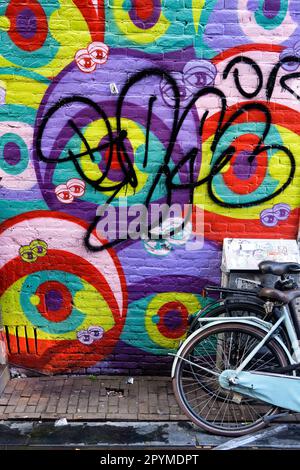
(90, 398)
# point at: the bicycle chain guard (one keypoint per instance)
(282, 391)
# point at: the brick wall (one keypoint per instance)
(107, 105)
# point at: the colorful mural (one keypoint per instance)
(120, 104)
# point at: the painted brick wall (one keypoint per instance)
(123, 102)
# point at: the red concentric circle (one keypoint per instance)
(55, 301)
(28, 24)
(172, 319)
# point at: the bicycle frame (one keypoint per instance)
(279, 390)
(285, 318)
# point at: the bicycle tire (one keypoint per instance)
(240, 428)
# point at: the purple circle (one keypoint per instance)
(150, 21)
(12, 153)
(53, 300)
(271, 8)
(244, 168)
(172, 320)
(26, 23)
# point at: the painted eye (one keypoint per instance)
(268, 218)
(296, 49)
(167, 91)
(84, 337)
(281, 211)
(96, 332)
(98, 52)
(27, 254)
(289, 66)
(39, 247)
(63, 194)
(76, 187)
(84, 61)
(157, 247)
(183, 231)
(199, 73)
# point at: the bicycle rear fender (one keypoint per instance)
(230, 300)
(252, 321)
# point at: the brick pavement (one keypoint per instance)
(90, 398)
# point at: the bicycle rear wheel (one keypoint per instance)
(203, 400)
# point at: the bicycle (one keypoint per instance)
(232, 374)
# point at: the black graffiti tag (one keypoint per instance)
(115, 140)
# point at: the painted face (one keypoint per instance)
(93, 333)
(31, 252)
(271, 217)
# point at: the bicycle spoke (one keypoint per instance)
(226, 347)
